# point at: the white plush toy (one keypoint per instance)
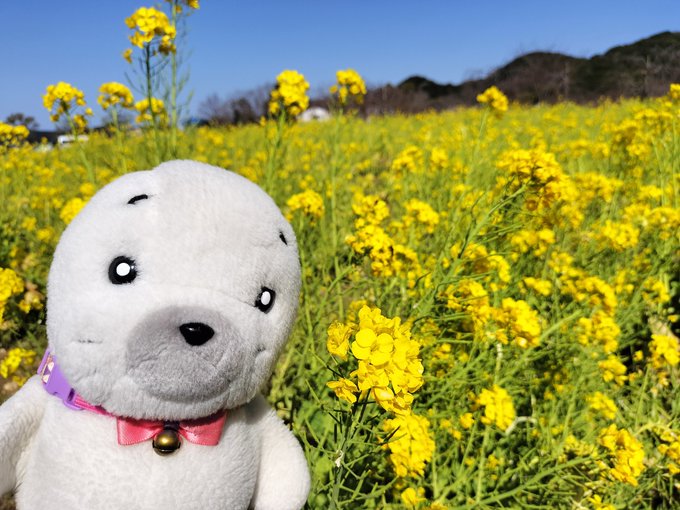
(169, 298)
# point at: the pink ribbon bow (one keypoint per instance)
(203, 431)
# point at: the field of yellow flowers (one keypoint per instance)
(486, 312)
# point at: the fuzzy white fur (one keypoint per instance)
(204, 242)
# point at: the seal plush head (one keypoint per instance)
(172, 292)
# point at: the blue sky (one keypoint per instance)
(239, 45)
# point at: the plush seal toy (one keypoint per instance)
(169, 298)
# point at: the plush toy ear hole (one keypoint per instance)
(283, 238)
(137, 198)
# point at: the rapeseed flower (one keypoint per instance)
(665, 350)
(411, 497)
(113, 93)
(147, 115)
(71, 209)
(290, 95)
(309, 202)
(10, 285)
(349, 86)
(537, 171)
(344, 389)
(16, 357)
(494, 99)
(617, 236)
(602, 404)
(518, 323)
(626, 453)
(420, 212)
(613, 370)
(152, 26)
(388, 363)
(498, 407)
(338, 339)
(470, 297)
(600, 329)
(535, 242)
(64, 100)
(542, 287)
(12, 135)
(411, 447)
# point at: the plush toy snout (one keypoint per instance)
(186, 352)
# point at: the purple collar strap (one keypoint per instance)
(55, 383)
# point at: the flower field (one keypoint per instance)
(486, 309)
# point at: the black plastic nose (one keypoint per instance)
(196, 333)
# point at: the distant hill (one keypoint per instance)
(642, 69)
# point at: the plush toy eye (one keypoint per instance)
(265, 300)
(122, 270)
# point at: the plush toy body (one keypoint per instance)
(169, 299)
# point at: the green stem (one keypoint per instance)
(119, 141)
(149, 97)
(334, 220)
(81, 151)
(173, 88)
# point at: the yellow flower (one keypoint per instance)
(376, 349)
(466, 420)
(617, 236)
(498, 407)
(12, 135)
(626, 452)
(16, 357)
(655, 292)
(598, 504)
(601, 403)
(494, 99)
(389, 365)
(409, 160)
(535, 241)
(600, 328)
(344, 389)
(613, 370)
(309, 202)
(146, 114)
(71, 209)
(665, 350)
(435, 506)
(350, 85)
(113, 93)
(151, 24)
(191, 4)
(10, 285)
(64, 99)
(411, 446)
(411, 497)
(519, 322)
(421, 212)
(481, 261)
(371, 210)
(537, 171)
(542, 287)
(290, 95)
(470, 297)
(338, 339)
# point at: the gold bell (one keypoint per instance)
(167, 442)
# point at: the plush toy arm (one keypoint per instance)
(283, 477)
(19, 418)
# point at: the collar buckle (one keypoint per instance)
(54, 381)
